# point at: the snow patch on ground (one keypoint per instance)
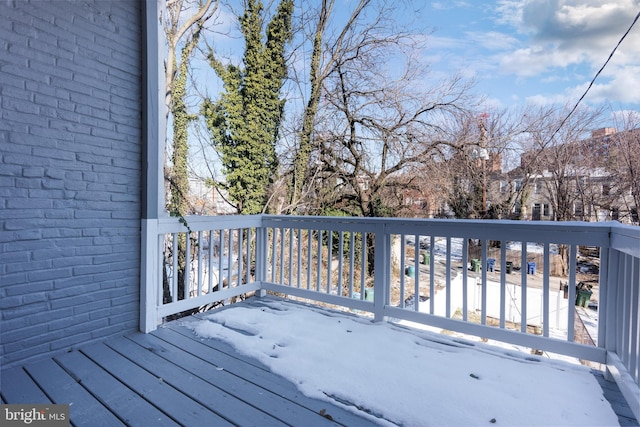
(409, 378)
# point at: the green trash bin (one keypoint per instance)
(475, 265)
(509, 267)
(583, 297)
(425, 258)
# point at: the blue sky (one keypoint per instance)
(517, 51)
(540, 51)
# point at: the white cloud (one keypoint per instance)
(492, 40)
(561, 33)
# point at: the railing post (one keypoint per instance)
(150, 279)
(381, 272)
(261, 257)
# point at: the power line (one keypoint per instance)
(594, 78)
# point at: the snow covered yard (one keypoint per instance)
(408, 377)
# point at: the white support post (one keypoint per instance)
(153, 129)
(150, 277)
(261, 257)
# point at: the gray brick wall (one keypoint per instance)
(70, 174)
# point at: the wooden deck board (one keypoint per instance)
(250, 371)
(205, 393)
(173, 402)
(21, 388)
(61, 387)
(128, 405)
(173, 377)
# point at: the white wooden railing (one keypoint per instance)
(378, 266)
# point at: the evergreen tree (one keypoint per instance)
(245, 121)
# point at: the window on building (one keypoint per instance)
(535, 213)
(538, 187)
(516, 209)
(606, 189)
(578, 210)
(518, 184)
(615, 213)
(503, 187)
(634, 215)
(545, 209)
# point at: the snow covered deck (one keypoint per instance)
(267, 361)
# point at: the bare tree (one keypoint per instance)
(624, 149)
(560, 160)
(475, 170)
(326, 48)
(183, 23)
(376, 119)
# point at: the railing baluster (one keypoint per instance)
(546, 307)
(340, 261)
(291, 235)
(309, 257)
(572, 293)
(363, 270)
(220, 256)
(627, 305)
(416, 271)
(432, 278)
(484, 284)
(281, 252)
(248, 255)
(210, 263)
(523, 287)
(174, 293)
(402, 268)
(465, 279)
(199, 285)
(319, 262)
(634, 302)
(448, 278)
(503, 283)
(329, 258)
(187, 267)
(274, 254)
(299, 249)
(352, 252)
(241, 232)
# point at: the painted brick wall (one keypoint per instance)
(70, 174)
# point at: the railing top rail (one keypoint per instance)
(605, 234)
(626, 239)
(575, 232)
(208, 222)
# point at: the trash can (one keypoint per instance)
(583, 297)
(410, 271)
(475, 265)
(509, 267)
(491, 264)
(425, 258)
(531, 268)
(368, 294)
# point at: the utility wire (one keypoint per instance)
(594, 78)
